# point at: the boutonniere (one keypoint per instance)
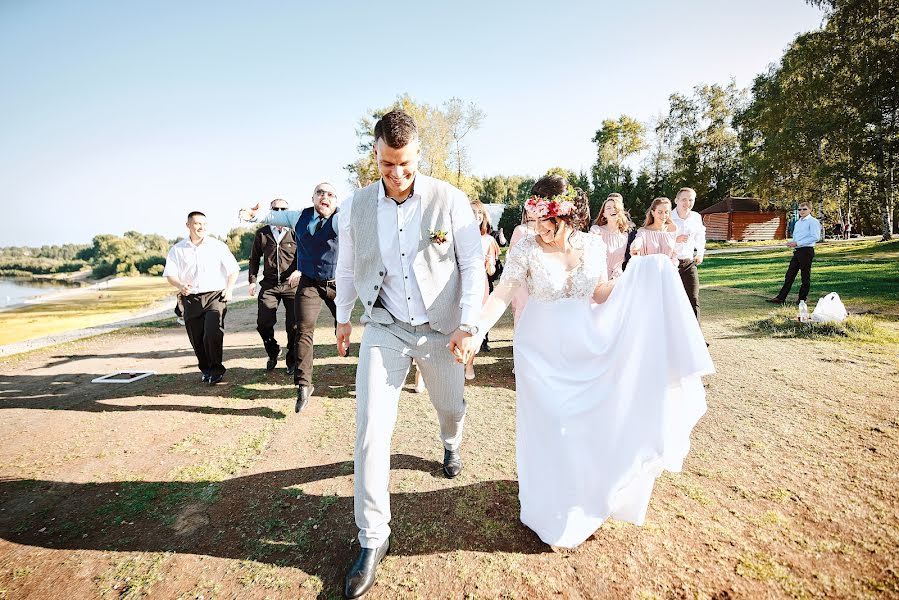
(438, 237)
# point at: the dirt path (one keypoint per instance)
(171, 489)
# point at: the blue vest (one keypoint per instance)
(316, 254)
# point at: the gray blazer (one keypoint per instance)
(436, 266)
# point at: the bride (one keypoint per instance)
(607, 374)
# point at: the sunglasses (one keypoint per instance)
(279, 208)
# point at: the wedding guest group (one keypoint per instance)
(204, 271)
(277, 249)
(315, 231)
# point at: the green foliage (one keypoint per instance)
(240, 241)
(823, 124)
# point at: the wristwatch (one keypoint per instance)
(469, 329)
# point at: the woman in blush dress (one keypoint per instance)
(614, 227)
(608, 374)
(658, 234)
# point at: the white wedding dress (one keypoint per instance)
(607, 394)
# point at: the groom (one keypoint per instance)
(410, 250)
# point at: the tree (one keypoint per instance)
(616, 142)
(461, 119)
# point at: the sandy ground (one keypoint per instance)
(167, 488)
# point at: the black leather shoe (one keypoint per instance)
(291, 369)
(775, 300)
(485, 346)
(452, 463)
(361, 575)
(214, 379)
(272, 360)
(206, 377)
(304, 392)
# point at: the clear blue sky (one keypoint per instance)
(127, 115)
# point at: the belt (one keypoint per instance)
(324, 281)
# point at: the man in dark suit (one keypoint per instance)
(277, 248)
(315, 232)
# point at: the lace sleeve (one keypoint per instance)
(514, 277)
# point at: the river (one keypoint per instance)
(16, 291)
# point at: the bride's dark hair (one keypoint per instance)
(553, 185)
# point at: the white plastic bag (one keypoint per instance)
(830, 310)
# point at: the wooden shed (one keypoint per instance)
(743, 220)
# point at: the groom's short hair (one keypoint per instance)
(397, 129)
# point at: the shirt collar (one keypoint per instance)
(419, 187)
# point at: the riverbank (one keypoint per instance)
(81, 308)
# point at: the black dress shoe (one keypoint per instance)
(304, 392)
(291, 369)
(214, 379)
(485, 346)
(361, 575)
(452, 463)
(272, 360)
(206, 377)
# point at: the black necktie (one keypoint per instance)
(319, 225)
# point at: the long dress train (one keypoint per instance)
(607, 394)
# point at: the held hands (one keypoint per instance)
(227, 295)
(791, 244)
(697, 260)
(184, 290)
(460, 346)
(343, 338)
(252, 289)
(247, 214)
(294, 279)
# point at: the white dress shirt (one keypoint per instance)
(278, 232)
(205, 267)
(691, 226)
(399, 233)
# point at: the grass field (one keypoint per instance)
(865, 274)
(83, 308)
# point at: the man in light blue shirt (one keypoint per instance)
(806, 233)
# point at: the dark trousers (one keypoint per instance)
(267, 316)
(689, 275)
(800, 263)
(310, 295)
(204, 320)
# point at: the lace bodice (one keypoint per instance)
(546, 278)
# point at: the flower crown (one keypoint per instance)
(547, 208)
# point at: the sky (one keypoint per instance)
(118, 116)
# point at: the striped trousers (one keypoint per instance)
(385, 357)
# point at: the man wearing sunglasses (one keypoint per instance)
(276, 247)
(806, 233)
(315, 231)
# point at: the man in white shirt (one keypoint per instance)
(410, 250)
(204, 271)
(806, 233)
(690, 244)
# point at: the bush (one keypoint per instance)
(156, 270)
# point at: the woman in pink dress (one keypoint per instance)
(658, 234)
(613, 226)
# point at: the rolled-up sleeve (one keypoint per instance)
(469, 257)
(346, 288)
